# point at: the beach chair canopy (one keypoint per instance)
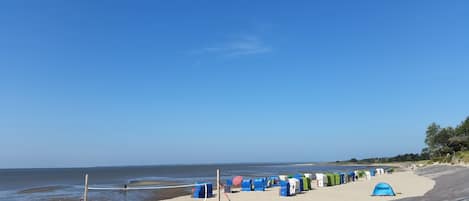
(383, 189)
(283, 177)
(309, 175)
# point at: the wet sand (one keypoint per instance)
(40, 189)
(161, 194)
(147, 195)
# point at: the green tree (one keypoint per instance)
(463, 128)
(442, 141)
(430, 139)
(425, 154)
(460, 140)
(449, 140)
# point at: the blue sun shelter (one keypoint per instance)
(383, 189)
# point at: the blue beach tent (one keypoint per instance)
(383, 189)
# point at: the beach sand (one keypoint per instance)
(452, 183)
(406, 184)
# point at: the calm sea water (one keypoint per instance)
(67, 183)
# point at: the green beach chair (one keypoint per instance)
(330, 180)
(306, 183)
(337, 179)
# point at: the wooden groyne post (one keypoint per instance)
(218, 185)
(85, 194)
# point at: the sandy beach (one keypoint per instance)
(406, 184)
(451, 183)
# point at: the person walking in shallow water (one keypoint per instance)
(125, 192)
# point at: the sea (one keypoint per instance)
(67, 184)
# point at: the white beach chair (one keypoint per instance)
(293, 185)
(320, 179)
(368, 175)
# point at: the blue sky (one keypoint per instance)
(87, 83)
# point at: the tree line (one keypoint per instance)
(398, 158)
(446, 141)
(441, 142)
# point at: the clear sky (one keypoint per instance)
(92, 83)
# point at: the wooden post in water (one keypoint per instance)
(218, 185)
(85, 194)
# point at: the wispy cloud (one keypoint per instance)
(245, 45)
